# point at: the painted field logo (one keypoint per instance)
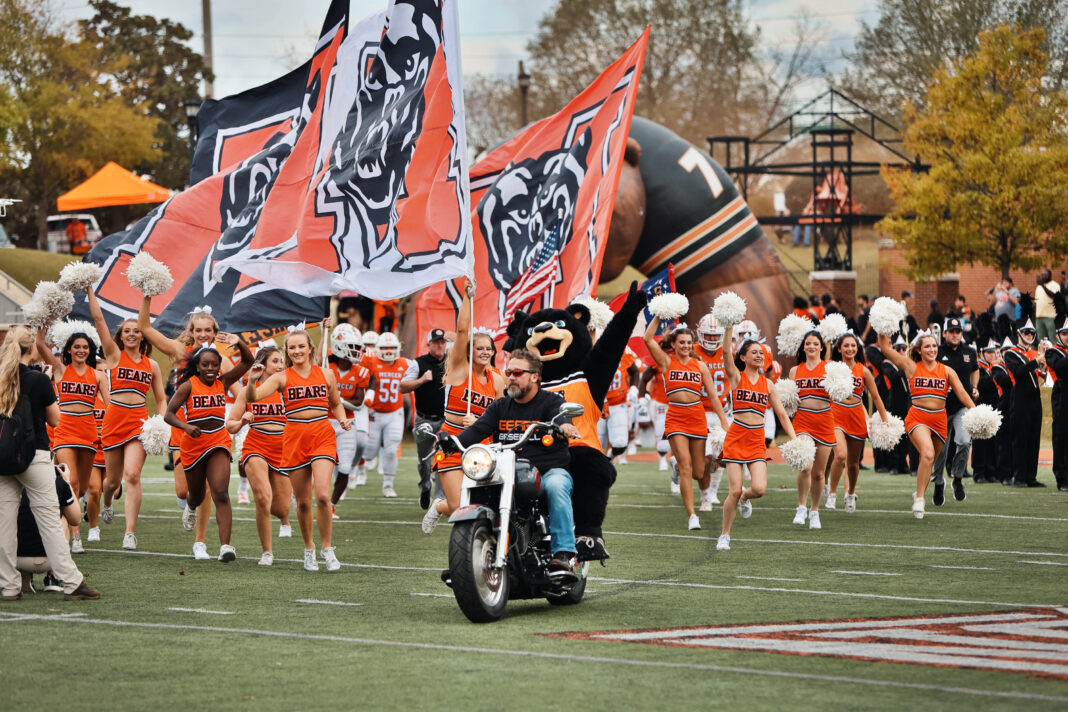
(1032, 641)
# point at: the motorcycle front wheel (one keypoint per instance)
(481, 591)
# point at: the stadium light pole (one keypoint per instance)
(524, 87)
(192, 108)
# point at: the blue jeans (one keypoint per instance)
(557, 484)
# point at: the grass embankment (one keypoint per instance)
(28, 267)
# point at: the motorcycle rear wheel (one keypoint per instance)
(481, 592)
(574, 596)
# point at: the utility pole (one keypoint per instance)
(209, 86)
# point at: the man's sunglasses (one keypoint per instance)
(517, 372)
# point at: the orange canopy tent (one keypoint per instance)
(112, 185)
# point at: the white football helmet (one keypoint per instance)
(388, 347)
(709, 333)
(345, 342)
(747, 330)
(370, 338)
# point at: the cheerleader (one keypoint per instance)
(470, 386)
(386, 427)
(745, 445)
(352, 381)
(261, 452)
(131, 374)
(205, 446)
(815, 419)
(850, 420)
(78, 385)
(929, 382)
(685, 425)
(309, 450)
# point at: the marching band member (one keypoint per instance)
(1057, 360)
(1028, 368)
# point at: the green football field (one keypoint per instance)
(978, 586)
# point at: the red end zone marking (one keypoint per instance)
(1032, 641)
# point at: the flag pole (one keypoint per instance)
(470, 343)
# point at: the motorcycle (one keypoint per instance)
(502, 494)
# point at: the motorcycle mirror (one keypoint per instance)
(572, 410)
(423, 431)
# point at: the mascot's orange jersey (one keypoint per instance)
(617, 392)
(574, 389)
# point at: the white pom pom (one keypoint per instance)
(981, 422)
(239, 440)
(669, 306)
(79, 276)
(729, 309)
(148, 275)
(799, 453)
(716, 436)
(600, 313)
(885, 316)
(832, 326)
(49, 303)
(885, 436)
(59, 332)
(787, 392)
(156, 435)
(838, 382)
(792, 330)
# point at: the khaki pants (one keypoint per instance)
(39, 481)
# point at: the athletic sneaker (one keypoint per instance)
(351, 484)
(674, 474)
(713, 498)
(361, 475)
(693, 523)
(189, 518)
(632, 448)
(939, 497)
(333, 512)
(227, 554)
(266, 559)
(662, 464)
(745, 508)
(389, 492)
(832, 501)
(801, 515)
(373, 464)
(76, 546)
(242, 497)
(200, 551)
(706, 502)
(561, 569)
(723, 543)
(285, 531)
(332, 564)
(82, 593)
(814, 520)
(917, 507)
(675, 488)
(94, 534)
(958, 489)
(129, 541)
(106, 513)
(432, 517)
(52, 584)
(310, 564)
(826, 490)
(850, 503)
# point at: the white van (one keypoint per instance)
(57, 230)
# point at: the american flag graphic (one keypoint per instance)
(539, 277)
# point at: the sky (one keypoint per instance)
(255, 41)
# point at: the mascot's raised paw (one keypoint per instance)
(636, 299)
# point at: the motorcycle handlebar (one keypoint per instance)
(444, 438)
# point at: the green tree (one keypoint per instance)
(156, 70)
(61, 114)
(997, 144)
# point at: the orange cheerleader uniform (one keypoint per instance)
(684, 418)
(745, 443)
(456, 400)
(926, 383)
(98, 417)
(76, 429)
(206, 409)
(851, 419)
(122, 422)
(307, 440)
(261, 442)
(817, 424)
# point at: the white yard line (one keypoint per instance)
(767, 578)
(433, 595)
(326, 603)
(558, 656)
(865, 573)
(1043, 563)
(965, 568)
(897, 512)
(202, 610)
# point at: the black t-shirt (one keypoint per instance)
(430, 397)
(964, 361)
(30, 543)
(506, 419)
(37, 387)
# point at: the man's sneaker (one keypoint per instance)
(632, 448)
(200, 551)
(389, 492)
(107, 514)
(82, 593)
(832, 501)
(351, 484)
(332, 564)
(591, 549)
(745, 508)
(675, 488)
(76, 546)
(958, 489)
(52, 584)
(94, 534)
(333, 512)
(310, 563)
(723, 543)
(285, 531)
(27, 584)
(266, 559)
(189, 518)
(713, 497)
(674, 474)
(706, 502)
(917, 507)
(242, 497)
(561, 569)
(814, 520)
(129, 541)
(622, 460)
(693, 522)
(361, 476)
(850, 503)
(939, 495)
(227, 554)
(431, 518)
(662, 464)
(801, 515)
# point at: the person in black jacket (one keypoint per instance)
(1028, 369)
(898, 404)
(984, 452)
(955, 354)
(1057, 360)
(424, 376)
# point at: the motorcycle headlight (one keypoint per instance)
(477, 463)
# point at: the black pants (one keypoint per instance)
(1060, 434)
(1026, 434)
(1003, 444)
